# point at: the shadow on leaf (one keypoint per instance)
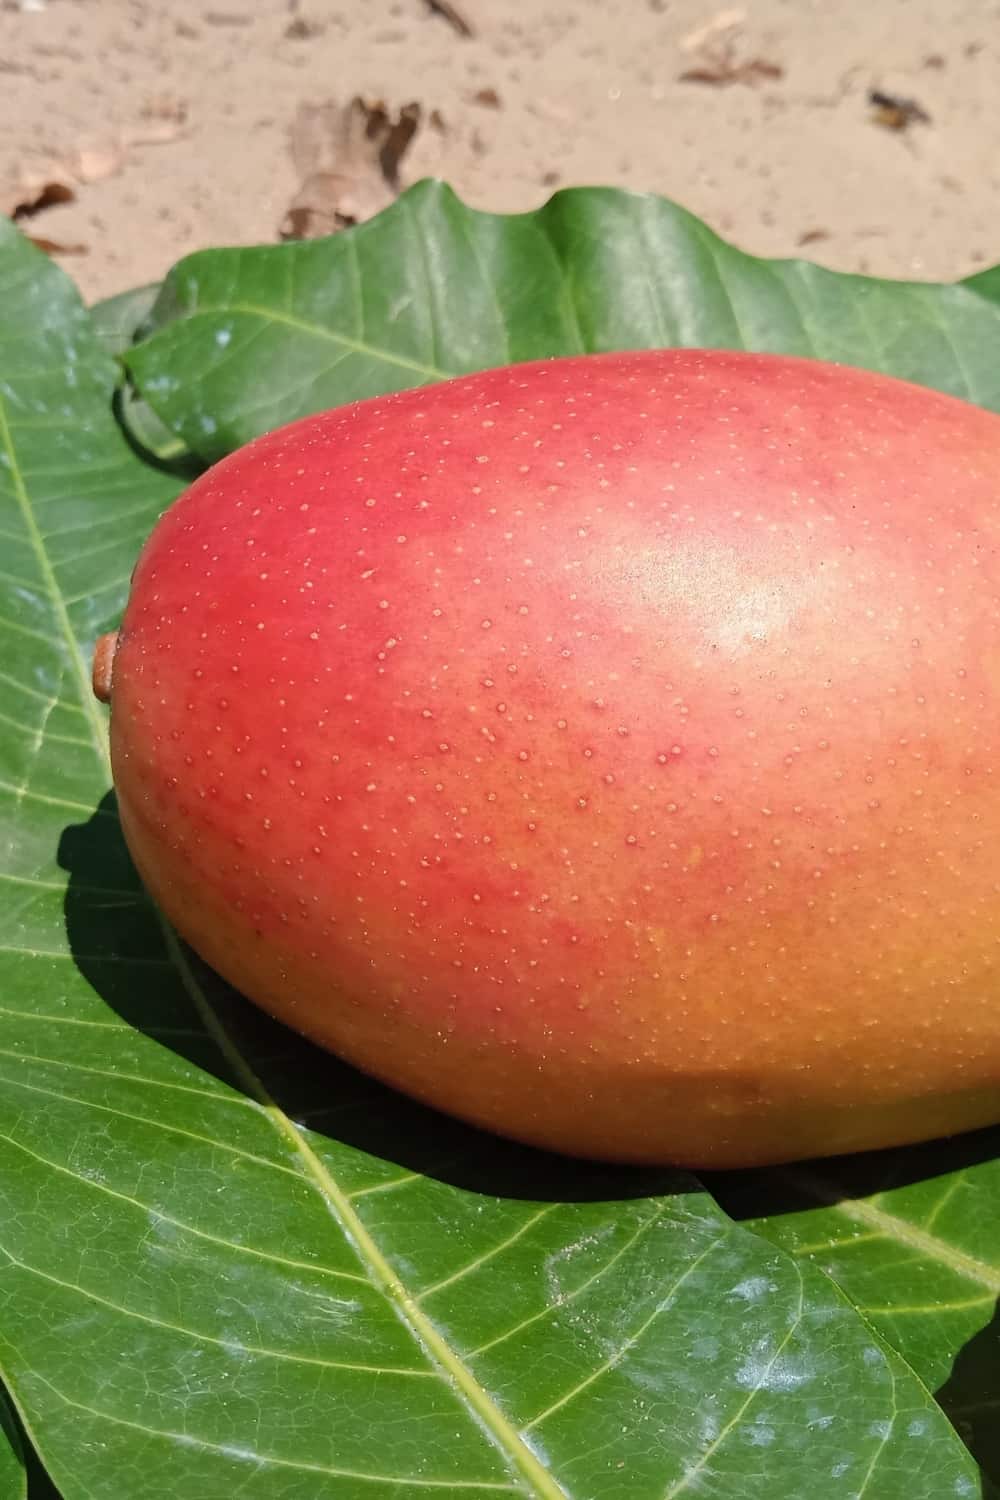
(971, 1397)
(313, 1088)
(781, 1190)
(150, 440)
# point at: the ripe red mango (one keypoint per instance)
(605, 750)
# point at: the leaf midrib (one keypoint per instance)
(895, 1228)
(269, 315)
(503, 1433)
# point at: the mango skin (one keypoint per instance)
(603, 750)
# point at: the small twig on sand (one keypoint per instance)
(453, 16)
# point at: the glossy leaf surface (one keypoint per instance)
(244, 340)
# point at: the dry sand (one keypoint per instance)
(176, 117)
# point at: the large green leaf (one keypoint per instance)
(247, 339)
(74, 505)
(231, 1265)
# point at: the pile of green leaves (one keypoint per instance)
(229, 1266)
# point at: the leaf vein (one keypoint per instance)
(893, 1227)
(231, 1344)
(185, 1228)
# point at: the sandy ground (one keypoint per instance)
(170, 121)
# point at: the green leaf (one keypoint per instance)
(910, 1237)
(74, 505)
(13, 1479)
(243, 340)
(117, 320)
(232, 1265)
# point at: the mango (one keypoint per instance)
(604, 750)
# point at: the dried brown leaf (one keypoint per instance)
(32, 193)
(722, 70)
(301, 29)
(57, 247)
(349, 160)
(893, 112)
